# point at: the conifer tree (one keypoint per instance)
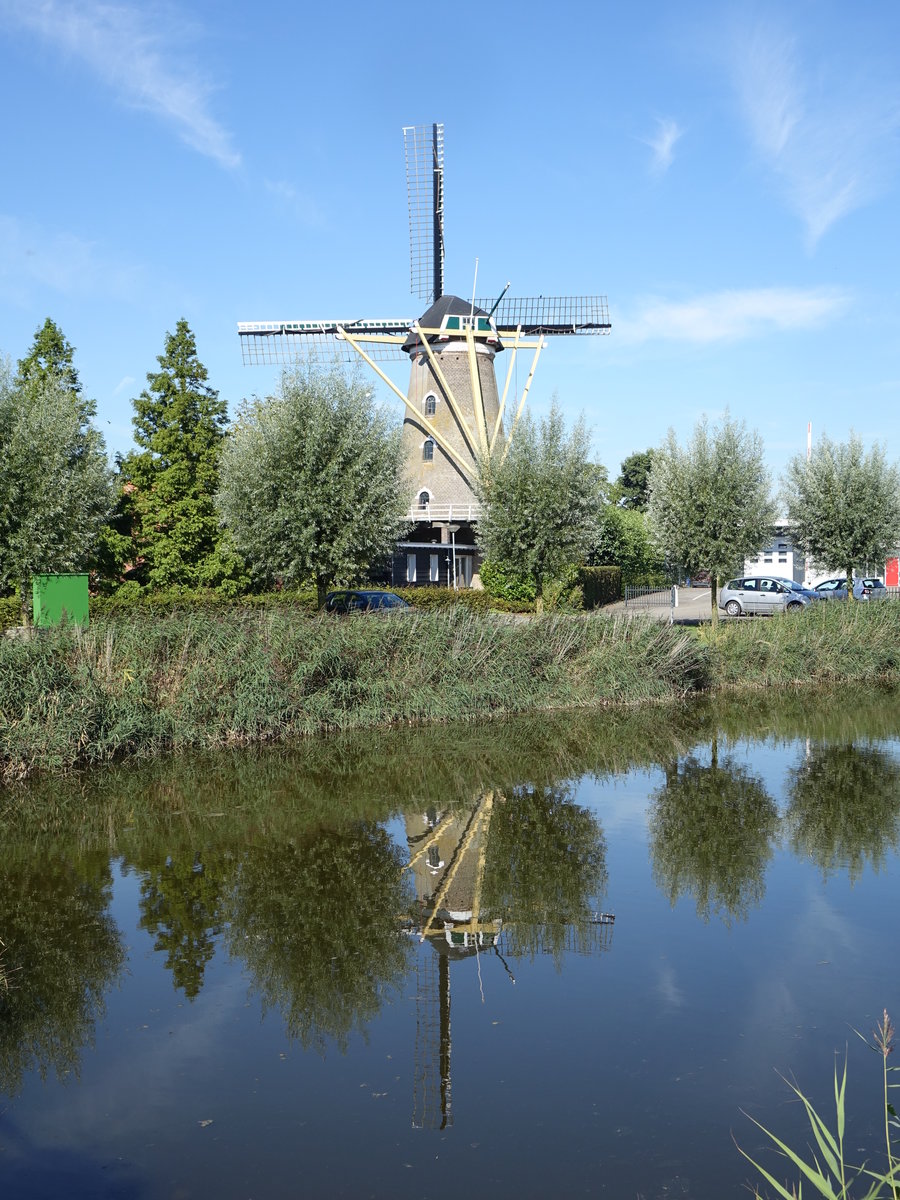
(179, 427)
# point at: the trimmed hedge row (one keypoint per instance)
(600, 585)
(303, 600)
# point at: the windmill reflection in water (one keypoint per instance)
(448, 852)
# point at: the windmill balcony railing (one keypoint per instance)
(444, 512)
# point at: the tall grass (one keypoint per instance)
(134, 686)
(828, 641)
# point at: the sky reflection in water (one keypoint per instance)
(218, 983)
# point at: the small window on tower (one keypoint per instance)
(430, 406)
(428, 450)
(423, 499)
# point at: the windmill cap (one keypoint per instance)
(434, 318)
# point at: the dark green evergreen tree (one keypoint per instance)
(51, 355)
(634, 482)
(179, 427)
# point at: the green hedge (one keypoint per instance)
(600, 585)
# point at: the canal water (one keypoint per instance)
(566, 956)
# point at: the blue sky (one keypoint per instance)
(727, 174)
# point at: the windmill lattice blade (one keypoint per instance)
(550, 314)
(283, 343)
(424, 147)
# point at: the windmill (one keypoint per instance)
(454, 409)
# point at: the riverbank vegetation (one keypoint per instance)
(139, 685)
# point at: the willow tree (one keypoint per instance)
(844, 505)
(55, 482)
(540, 498)
(709, 504)
(312, 481)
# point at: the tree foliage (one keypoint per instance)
(545, 868)
(844, 504)
(623, 540)
(63, 952)
(169, 483)
(313, 483)
(55, 483)
(316, 921)
(844, 809)
(633, 484)
(709, 506)
(52, 356)
(712, 831)
(540, 499)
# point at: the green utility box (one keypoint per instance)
(59, 598)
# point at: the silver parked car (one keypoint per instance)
(867, 588)
(764, 594)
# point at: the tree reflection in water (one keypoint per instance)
(316, 922)
(711, 836)
(844, 808)
(545, 869)
(62, 952)
(181, 907)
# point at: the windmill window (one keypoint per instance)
(428, 450)
(424, 499)
(430, 405)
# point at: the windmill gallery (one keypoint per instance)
(455, 412)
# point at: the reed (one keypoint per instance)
(136, 686)
(829, 1172)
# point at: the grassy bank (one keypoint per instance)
(139, 685)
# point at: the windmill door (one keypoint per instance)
(464, 570)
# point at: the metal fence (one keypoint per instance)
(650, 597)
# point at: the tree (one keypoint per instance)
(545, 867)
(623, 540)
(316, 919)
(51, 356)
(55, 483)
(712, 830)
(844, 505)
(709, 505)
(634, 481)
(844, 810)
(540, 499)
(313, 482)
(63, 953)
(179, 426)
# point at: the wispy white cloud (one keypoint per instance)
(135, 50)
(32, 257)
(663, 144)
(298, 203)
(731, 316)
(125, 382)
(829, 139)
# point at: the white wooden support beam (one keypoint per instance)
(439, 438)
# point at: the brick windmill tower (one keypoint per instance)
(455, 412)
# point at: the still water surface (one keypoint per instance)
(555, 957)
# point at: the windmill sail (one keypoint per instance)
(424, 146)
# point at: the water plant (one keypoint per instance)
(829, 1172)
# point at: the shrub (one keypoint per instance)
(504, 584)
(600, 585)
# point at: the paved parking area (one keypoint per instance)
(693, 608)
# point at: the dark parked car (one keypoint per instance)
(363, 601)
